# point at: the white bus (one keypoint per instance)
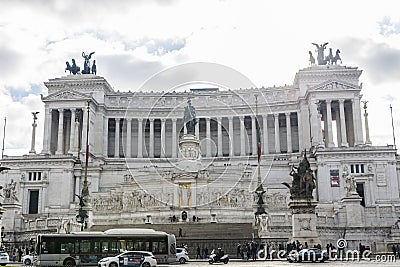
(87, 248)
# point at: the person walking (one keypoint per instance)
(198, 255)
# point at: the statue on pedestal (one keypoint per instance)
(350, 183)
(189, 117)
(303, 182)
(10, 193)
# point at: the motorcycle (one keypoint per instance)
(218, 256)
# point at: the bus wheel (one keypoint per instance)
(146, 264)
(69, 262)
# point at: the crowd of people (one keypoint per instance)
(16, 254)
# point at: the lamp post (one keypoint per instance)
(83, 214)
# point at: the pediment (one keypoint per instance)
(333, 85)
(66, 94)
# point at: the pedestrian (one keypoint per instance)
(180, 232)
(198, 253)
(206, 252)
(394, 250)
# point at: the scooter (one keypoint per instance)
(218, 257)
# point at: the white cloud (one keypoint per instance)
(267, 41)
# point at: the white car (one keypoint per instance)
(4, 258)
(131, 258)
(28, 259)
(181, 255)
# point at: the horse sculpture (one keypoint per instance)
(336, 57)
(74, 69)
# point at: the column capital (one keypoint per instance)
(163, 120)
(151, 120)
(140, 120)
(219, 119)
(73, 109)
(328, 101)
(128, 119)
(287, 114)
(117, 119)
(61, 110)
(276, 115)
(241, 117)
(341, 101)
(230, 118)
(174, 119)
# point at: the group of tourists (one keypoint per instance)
(248, 250)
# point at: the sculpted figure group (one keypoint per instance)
(74, 69)
(303, 182)
(321, 59)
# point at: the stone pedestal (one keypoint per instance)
(353, 209)
(189, 154)
(304, 221)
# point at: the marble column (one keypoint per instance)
(208, 130)
(60, 132)
(151, 146)
(315, 126)
(288, 133)
(300, 131)
(128, 138)
(174, 146)
(47, 130)
(72, 132)
(140, 138)
(329, 123)
(254, 135)
(162, 145)
(116, 149)
(265, 134)
(219, 125)
(105, 137)
(242, 137)
(33, 141)
(277, 140)
(343, 124)
(338, 130)
(197, 129)
(358, 138)
(230, 125)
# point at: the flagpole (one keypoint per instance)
(4, 137)
(258, 144)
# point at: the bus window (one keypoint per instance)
(67, 247)
(85, 246)
(122, 246)
(96, 247)
(44, 249)
(162, 247)
(113, 247)
(76, 246)
(129, 245)
(104, 247)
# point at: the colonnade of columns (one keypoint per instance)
(347, 117)
(220, 136)
(63, 131)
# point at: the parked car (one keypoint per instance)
(29, 259)
(4, 258)
(182, 255)
(309, 254)
(134, 258)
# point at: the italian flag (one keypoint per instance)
(258, 141)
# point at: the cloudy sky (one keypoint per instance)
(267, 41)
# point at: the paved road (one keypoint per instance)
(284, 263)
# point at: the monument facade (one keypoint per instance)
(147, 164)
